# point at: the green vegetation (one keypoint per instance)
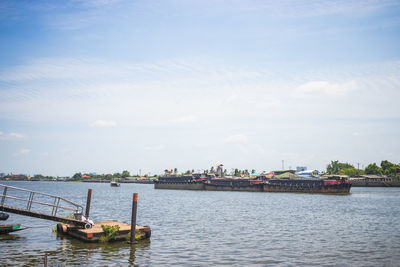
(110, 233)
(336, 167)
(138, 236)
(373, 169)
(238, 172)
(387, 168)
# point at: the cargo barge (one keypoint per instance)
(374, 181)
(331, 185)
(232, 184)
(185, 182)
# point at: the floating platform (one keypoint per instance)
(96, 233)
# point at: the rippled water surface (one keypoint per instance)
(202, 228)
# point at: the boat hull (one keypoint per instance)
(308, 186)
(333, 189)
(8, 228)
(313, 186)
(245, 188)
(180, 186)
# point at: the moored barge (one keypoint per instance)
(232, 184)
(332, 185)
(186, 182)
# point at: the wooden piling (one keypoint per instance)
(133, 221)
(45, 260)
(89, 198)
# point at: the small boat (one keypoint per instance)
(114, 184)
(8, 228)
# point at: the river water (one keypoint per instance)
(204, 228)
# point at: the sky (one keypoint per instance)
(106, 85)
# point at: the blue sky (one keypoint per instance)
(103, 86)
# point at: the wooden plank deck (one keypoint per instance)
(96, 232)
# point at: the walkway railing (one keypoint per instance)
(12, 197)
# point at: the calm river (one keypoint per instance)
(202, 228)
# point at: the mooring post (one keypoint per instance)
(45, 260)
(133, 221)
(89, 198)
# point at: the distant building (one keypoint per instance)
(278, 172)
(309, 173)
(301, 169)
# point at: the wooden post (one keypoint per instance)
(89, 198)
(133, 221)
(45, 260)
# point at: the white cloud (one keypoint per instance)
(103, 123)
(11, 136)
(23, 151)
(236, 138)
(318, 88)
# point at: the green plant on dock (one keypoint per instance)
(138, 236)
(110, 233)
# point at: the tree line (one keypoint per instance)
(386, 168)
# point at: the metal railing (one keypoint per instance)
(55, 205)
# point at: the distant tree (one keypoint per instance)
(192, 171)
(335, 167)
(352, 172)
(175, 170)
(237, 172)
(125, 174)
(390, 169)
(253, 170)
(386, 165)
(187, 172)
(77, 176)
(373, 169)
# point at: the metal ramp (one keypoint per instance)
(36, 204)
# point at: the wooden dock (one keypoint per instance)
(95, 233)
(78, 226)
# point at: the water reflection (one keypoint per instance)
(14, 236)
(138, 245)
(77, 252)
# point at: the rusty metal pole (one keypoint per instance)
(89, 198)
(133, 221)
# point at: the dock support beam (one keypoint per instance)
(133, 221)
(89, 198)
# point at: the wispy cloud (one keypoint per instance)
(316, 88)
(22, 152)
(11, 136)
(103, 123)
